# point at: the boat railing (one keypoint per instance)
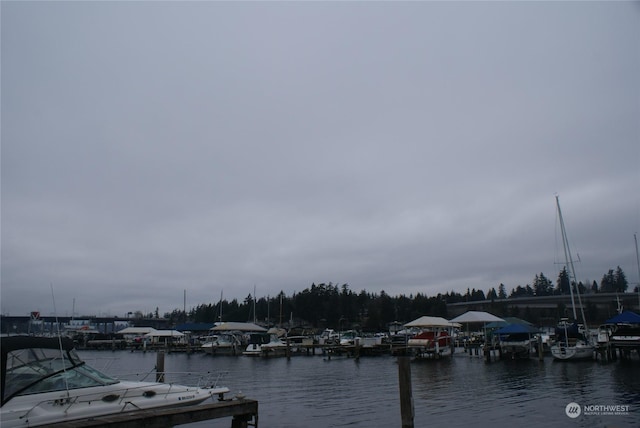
(197, 379)
(206, 380)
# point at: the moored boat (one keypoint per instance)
(572, 340)
(516, 341)
(265, 345)
(430, 343)
(44, 382)
(434, 340)
(222, 344)
(622, 332)
(349, 338)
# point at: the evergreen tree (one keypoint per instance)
(608, 283)
(502, 293)
(620, 281)
(563, 284)
(542, 286)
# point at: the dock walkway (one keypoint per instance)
(243, 411)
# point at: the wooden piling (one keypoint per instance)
(540, 349)
(406, 394)
(160, 366)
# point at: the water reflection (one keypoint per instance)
(314, 392)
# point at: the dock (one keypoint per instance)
(243, 411)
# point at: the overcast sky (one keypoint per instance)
(154, 147)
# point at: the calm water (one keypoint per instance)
(313, 392)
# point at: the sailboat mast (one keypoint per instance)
(635, 238)
(221, 306)
(569, 262)
(567, 256)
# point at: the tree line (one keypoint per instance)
(337, 306)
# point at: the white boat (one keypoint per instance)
(572, 341)
(265, 345)
(222, 344)
(45, 382)
(328, 337)
(349, 338)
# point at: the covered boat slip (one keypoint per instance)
(517, 341)
(434, 341)
(509, 338)
(619, 335)
(479, 319)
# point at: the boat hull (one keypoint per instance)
(430, 344)
(516, 350)
(221, 350)
(578, 352)
(266, 350)
(78, 404)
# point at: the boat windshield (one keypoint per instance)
(34, 370)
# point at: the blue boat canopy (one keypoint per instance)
(627, 317)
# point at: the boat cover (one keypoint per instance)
(627, 317)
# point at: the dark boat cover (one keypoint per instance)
(627, 317)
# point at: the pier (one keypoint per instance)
(244, 413)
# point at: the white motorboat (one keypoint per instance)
(222, 344)
(265, 345)
(329, 337)
(44, 381)
(349, 338)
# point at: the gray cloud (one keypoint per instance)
(149, 148)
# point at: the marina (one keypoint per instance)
(463, 390)
(121, 368)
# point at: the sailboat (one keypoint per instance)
(572, 339)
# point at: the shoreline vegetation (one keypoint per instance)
(337, 306)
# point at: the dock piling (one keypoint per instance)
(160, 366)
(406, 395)
(540, 349)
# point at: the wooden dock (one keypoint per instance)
(243, 411)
